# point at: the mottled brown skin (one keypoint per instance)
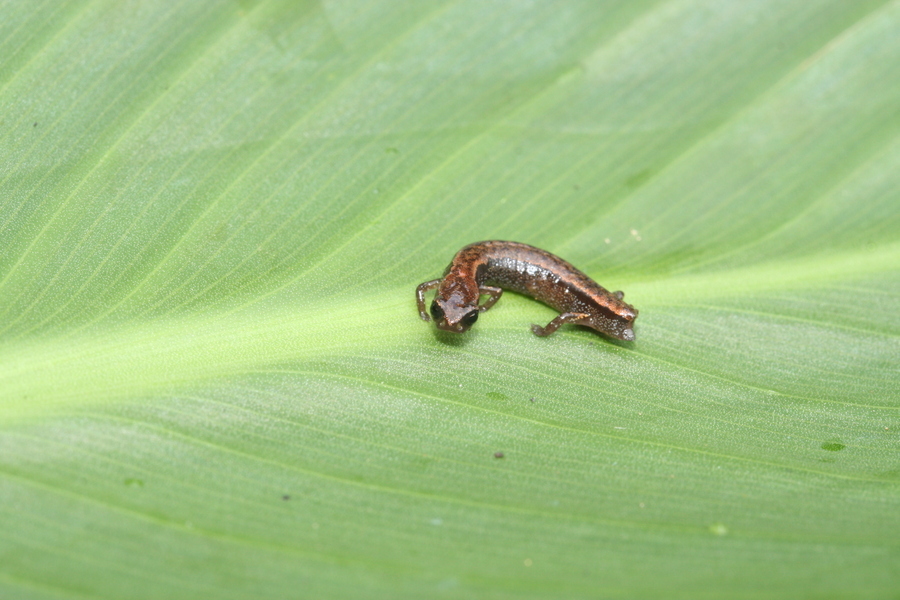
(488, 268)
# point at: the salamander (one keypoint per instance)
(487, 268)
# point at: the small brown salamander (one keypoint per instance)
(487, 268)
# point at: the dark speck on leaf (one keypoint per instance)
(285, 497)
(498, 455)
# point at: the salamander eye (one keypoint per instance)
(437, 313)
(469, 319)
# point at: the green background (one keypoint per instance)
(213, 380)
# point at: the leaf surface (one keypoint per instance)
(213, 380)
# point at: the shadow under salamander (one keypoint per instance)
(451, 339)
(459, 340)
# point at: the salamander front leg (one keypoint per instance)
(553, 325)
(420, 296)
(493, 292)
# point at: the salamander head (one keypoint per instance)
(453, 313)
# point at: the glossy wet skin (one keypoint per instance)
(487, 268)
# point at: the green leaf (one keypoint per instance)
(213, 380)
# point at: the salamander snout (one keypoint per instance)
(452, 317)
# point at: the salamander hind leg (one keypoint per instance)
(553, 325)
(493, 292)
